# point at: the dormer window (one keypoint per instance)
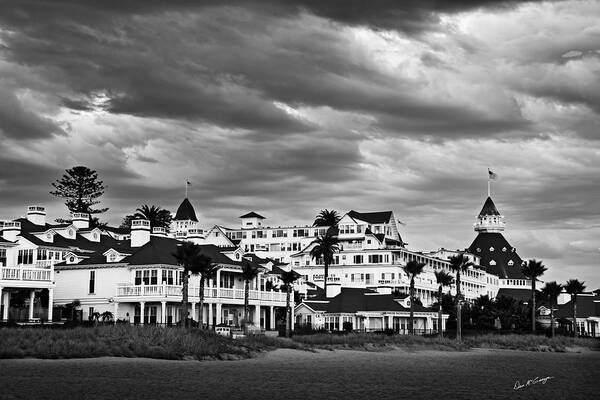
(504, 249)
(492, 262)
(70, 232)
(48, 236)
(71, 259)
(491, 249)
(479, 250)
(511, 263)
(112, 257)
(95, 235)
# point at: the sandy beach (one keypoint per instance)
(296, 374)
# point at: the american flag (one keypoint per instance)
(492, 175)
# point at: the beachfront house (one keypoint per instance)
(366, 310)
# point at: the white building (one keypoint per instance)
(372, 255)
(360, 309)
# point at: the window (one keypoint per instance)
(358, 259)
(92, 287)
(154, 277)
(25, 256)
(138, 277)
(3, 257)
(146, 277)
(112, 257)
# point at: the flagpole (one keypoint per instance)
(489, 195)
(186, 185)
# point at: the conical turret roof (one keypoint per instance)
(489, 208)
(185, 212)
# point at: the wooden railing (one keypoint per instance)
(26, 274)
(170, 291)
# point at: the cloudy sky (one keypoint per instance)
(289, 108)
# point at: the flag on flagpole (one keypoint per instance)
(492, 175)
(188, 182)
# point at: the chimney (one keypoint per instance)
(333, 289)
(140, 232)
(11, 230)
(81, 220)
(36, 215)
(159, 231)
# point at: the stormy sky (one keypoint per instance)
(286, 108)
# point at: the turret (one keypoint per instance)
(489, 218)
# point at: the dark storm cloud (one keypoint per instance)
(17, 121)
(232, 64)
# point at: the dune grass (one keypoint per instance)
(131, 341)
(372, 341)
(179, 344)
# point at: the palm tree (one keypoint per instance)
(95, 317)
(250, 271)
(106, 316)
(412, 269)
(533, 270)
(157, 216)
(325, 247)
(327, 218)
(551, 292)
(574, 287)
(288, 278)
(185, 255)
(459, 263)
(442, 278)
(206, 269)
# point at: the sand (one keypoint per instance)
(293, 374)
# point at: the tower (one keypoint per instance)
(489, 218)
(185, 219)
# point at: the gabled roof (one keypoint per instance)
(352, 300)
(587, 306)
(252, 214)
(185, 212)
(380, 217)
(494, 240)
(489, 208)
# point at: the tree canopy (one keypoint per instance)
(327, 218)
(157, 216)
(81, 189)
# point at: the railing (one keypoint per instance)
(127, 290)
(44, 263)
(26, 274)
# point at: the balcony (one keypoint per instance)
(173, 292)
(26, 273)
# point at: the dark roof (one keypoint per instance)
(587, 306)
(351, 300)
(487, 240)
(489, 208)
(185, 211)
(118, 230)
(523, 295)
(252, 214)
(380, 217)
(159, 250)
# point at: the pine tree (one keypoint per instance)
(80, 188)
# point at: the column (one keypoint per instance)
(218, 278)
(341, 324)
(272, 318)
(367, 323)
(390, 322)
(193, 316)
(163, 312)
(116, 311)
(428, 324)
(51, 303)
(219, 313)
(142, 305)
(6, 302)
(31, 301)
(292, 318)
(210, 315)
(257, 316)
(1, 300)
